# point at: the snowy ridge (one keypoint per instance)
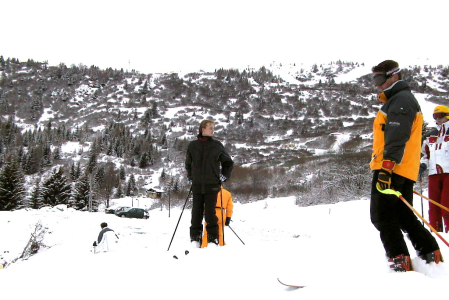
(332, 249)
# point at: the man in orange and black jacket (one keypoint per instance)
(395, 160)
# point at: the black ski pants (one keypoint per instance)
(204, 203)
(390, 215)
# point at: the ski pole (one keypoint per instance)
(180, 217)
(432, 201)
(422, 205)
(236, 235)
(399, 195)
(222, 224)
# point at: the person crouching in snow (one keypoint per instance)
(106, 239)
(227, 211)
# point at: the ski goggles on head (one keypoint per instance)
(380, 79)
(439, 115)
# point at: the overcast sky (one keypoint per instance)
(189, 35)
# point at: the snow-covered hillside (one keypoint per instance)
(332, 249)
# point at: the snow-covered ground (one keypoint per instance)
(332, 249)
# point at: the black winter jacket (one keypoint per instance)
(202, 164)
(401, 110)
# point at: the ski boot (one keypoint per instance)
(212, 240)
(434, 256)
(401, 263)
(195, 241)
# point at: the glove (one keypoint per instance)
(222, 178)
(384, 177)
(95, 244)
(228, 220)
(422, 168)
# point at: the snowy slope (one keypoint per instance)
(333, 249)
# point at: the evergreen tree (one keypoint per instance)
(81, 192)
(109, 150)
(164, 142)
(92, 163)
(110, 181)
(119, 191)
(2, 62)
(131, 188)
(32, 161)
(36, 196)
(21, 156)
(144, 162)
(72, 172)
(163, 175)
(100, 177)
(46, 156)
(78, 170)
(75, 171)
(57, 153)
(56, 189)
(122, 173)
(145, 88)
(175, 185)
(170, 183)
(12, 189)
(154, 110)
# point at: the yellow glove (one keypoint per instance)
(384, 177)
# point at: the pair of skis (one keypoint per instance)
(289, 285)
(292, 286)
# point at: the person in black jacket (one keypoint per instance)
(203, 160)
